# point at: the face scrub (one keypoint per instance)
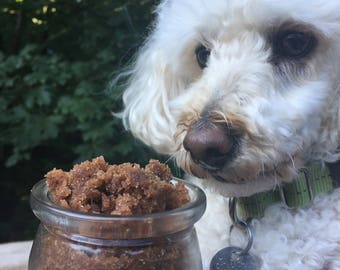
(100, 216)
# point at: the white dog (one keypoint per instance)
(243, 94)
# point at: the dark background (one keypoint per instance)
(57, 58)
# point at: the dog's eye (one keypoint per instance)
(294, 45)
(202, 56)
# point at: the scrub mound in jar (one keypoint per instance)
(126, 189)
(95, 187)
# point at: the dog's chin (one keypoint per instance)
(233, 182)
(245, 189)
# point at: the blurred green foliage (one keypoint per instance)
(57, 58)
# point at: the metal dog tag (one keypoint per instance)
(233, 258)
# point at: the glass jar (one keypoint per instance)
(80, 241)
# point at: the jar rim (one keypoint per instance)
(60, 218)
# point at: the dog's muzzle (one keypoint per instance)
(211, 145)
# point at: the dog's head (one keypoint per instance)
(240, 92)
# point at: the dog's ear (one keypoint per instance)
(146, 100)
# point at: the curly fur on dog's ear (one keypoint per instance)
(146, 99)
(155, 79)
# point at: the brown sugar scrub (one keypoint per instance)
(126, 189)
(99, 216)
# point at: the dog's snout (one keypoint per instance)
(210, 146)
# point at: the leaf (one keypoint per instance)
(43, 97)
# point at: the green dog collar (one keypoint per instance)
(297, 194)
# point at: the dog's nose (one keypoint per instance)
(210, 146)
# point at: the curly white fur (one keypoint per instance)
(289, 113)
(304, 239)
